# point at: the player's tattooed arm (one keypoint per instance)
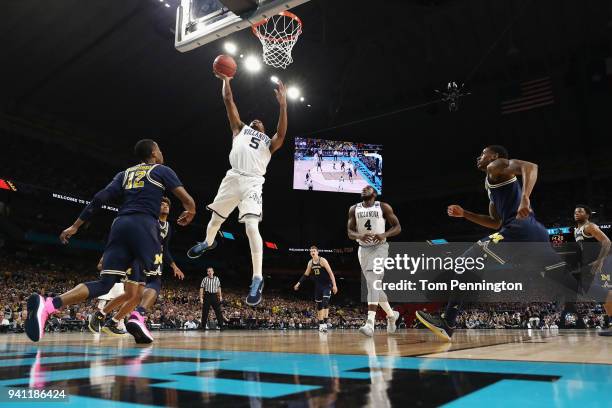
(281, 129)
(332, 277)
(491, 220)
(230, 106)
(514, 167)
(594, 231)
(304, 276)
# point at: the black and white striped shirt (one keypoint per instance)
(211, 285)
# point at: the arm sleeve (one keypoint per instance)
(167, 177)
(110, 192)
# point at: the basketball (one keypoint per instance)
(225, 65)
(387, 271)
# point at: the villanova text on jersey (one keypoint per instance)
(368, 214)
(262, 137)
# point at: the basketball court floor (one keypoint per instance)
(305, 368)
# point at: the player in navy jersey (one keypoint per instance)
(151, 289)
(134, 235)
(593, 250)
(325, 285)
(510, 213)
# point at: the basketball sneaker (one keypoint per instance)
(391, 322)
(436, 324)
(96, 321)
(199, 248)
(254, 297)
(110, 327)
(39, 310)
(323, 328)
(367, 329)
(137, 328)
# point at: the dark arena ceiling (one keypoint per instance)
(109, 73)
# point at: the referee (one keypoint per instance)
(210, 295)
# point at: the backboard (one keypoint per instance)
(199, 22)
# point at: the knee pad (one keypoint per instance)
(325, 303)
(319, 305)
(101, 286)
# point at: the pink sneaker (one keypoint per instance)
(137, 328)
(38, 312)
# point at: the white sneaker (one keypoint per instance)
(323, 328)
(367, 330)
(391, 320)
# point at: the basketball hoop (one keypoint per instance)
(278, 34)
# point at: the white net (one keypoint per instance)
(278, 34)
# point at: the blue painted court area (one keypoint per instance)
(129, 377)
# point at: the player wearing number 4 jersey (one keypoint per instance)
(366, 224)
(242, 185)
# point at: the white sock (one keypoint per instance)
(256, 244)
(371, 317)
(101, 304)
(387, 308)
(213, 227)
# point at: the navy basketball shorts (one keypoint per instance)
(322, 291)
(135, 274)
(523, 241)
(133, 242)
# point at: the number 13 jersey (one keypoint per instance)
(370, 220)
(250, 153)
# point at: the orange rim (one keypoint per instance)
(272, 39)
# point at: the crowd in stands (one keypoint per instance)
(179, 307)
(532, 316)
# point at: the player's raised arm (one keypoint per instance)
(111, 191)
(281, 129)
(304, 276)
(232, 111)
(514, 167)
(488, 221)
(332, 277)
(188, 204)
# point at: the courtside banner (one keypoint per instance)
(487, 271)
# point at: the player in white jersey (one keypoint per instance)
(242, 185)
(367, 225)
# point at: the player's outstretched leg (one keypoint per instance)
(39, 308)
(211, 231)
(256, 243)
